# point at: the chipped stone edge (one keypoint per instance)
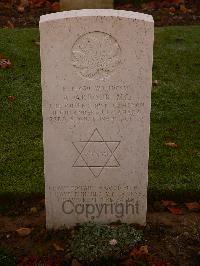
(96, 13)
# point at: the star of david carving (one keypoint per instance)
(96, 154)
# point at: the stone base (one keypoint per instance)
(85, 4)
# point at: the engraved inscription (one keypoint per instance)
(96, 55)
(96, 201)
(96, 153)
(93, 194)
(95, 103)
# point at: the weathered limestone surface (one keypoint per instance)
(96, 82)
(83, 4)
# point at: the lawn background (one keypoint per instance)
(175, 114)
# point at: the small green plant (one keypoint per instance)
(6, 259)
(96, 242)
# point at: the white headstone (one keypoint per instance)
(96, 82)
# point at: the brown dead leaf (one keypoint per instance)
(150, 5)
(24, 231)
(33, 210)
(193, 206)
(2, 56)
(37, 3)
(58, 247)
(42, 201)
(175, 210)
(128, 262)
(171, 144)
(168, 203)
(24, 3)
(22, 6)
(37, 43)
(155, 82)
(20, 9)
(11, 98)
(172, 9)
(183, 9)
(126, 6)
(5, 63)
(10, 25)
(75, 263)
(139, 252)
(161, 4)
(156, 261)
(168, 3)
(55, 7)
(35, 260)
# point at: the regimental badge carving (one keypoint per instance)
(96, 55)
(96, 154)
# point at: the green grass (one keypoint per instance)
(92, 242)
(21, 163)
(175, 114)
(6, 259)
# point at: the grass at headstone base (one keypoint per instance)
(94, 241)
(174, 170)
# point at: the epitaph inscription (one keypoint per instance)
(107, 103)
(96, 55)
(93, 202)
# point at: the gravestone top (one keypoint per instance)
(96, 93)
(96, 13)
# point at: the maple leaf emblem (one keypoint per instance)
(96, 55)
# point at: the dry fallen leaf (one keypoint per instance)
(20, 9)
(176, 1)
(175, 210)
(33, 210)
(24, 231)
(156, 261)
(139, 252)
(155, 82)
(55, 7)
(5, 63)
(37, 3)
(24, 3)
(193, 206)
(183, 9)
(171, 144)
(150, 5)
(128, 262)
(168, 203)
(37, 43)
(75, 263)
(10, 25)
(11, 98)
(172, 9)
(58, 247)
(33, 260)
